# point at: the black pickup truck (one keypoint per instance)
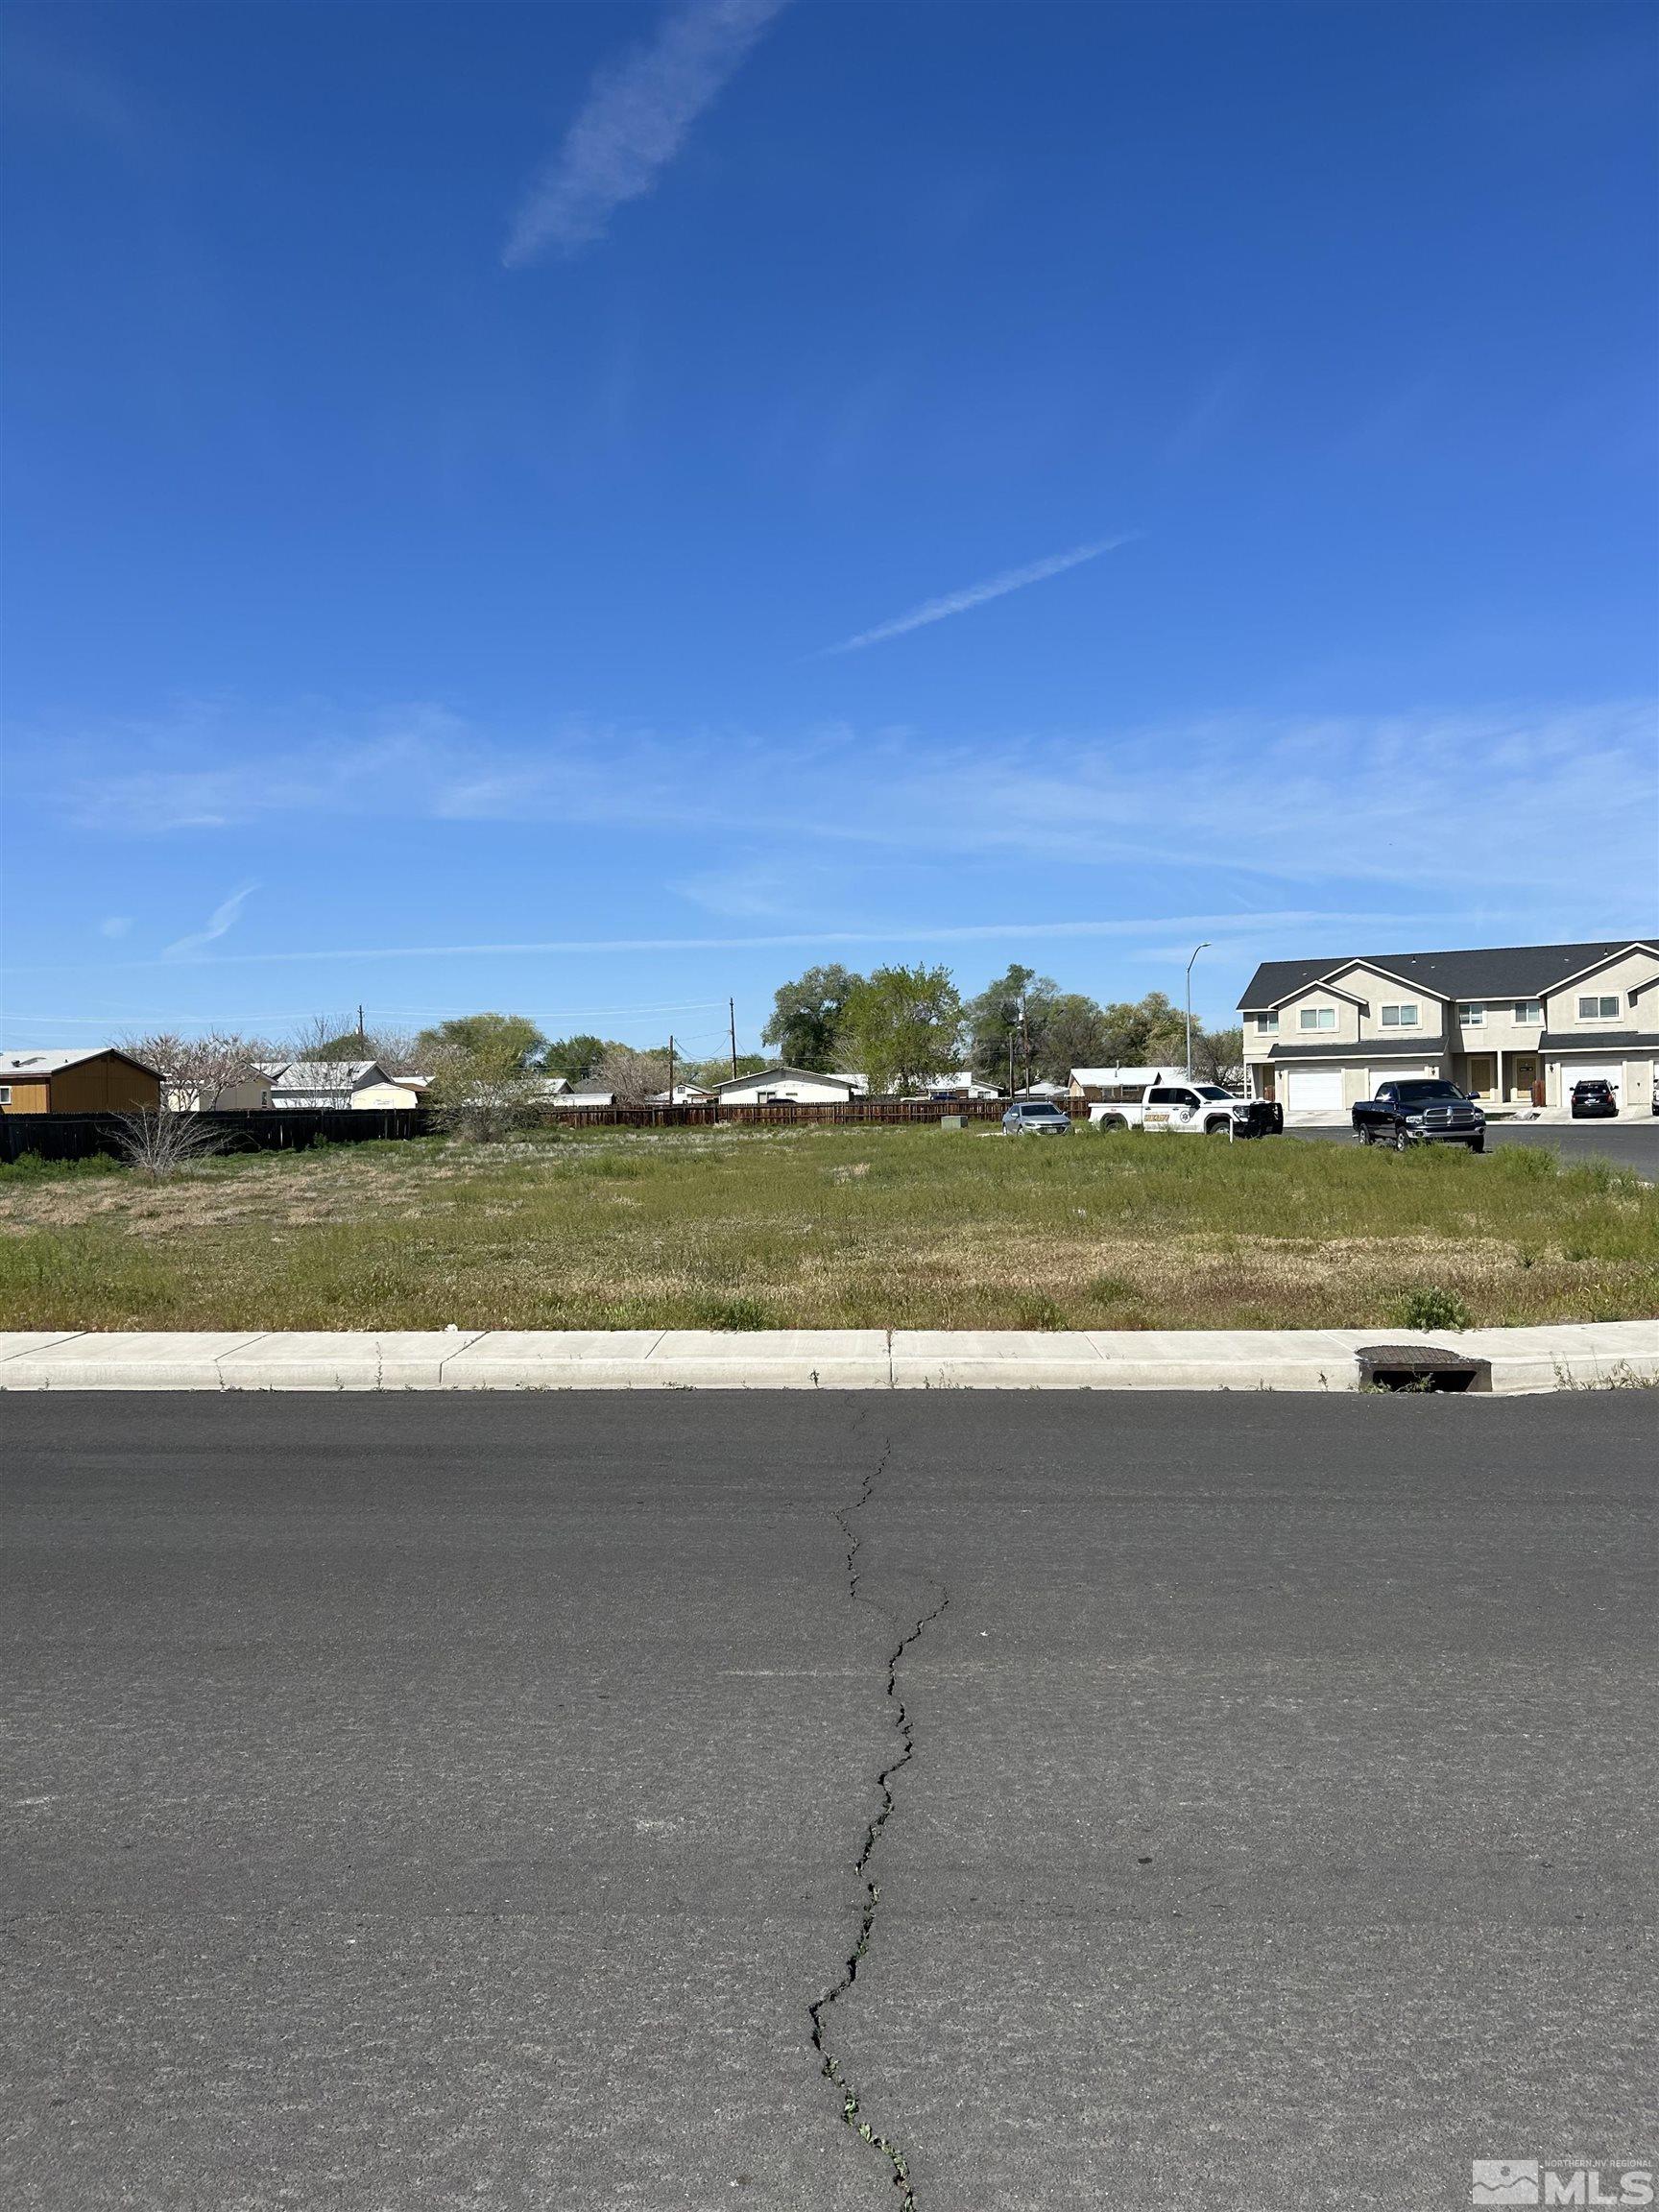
(1420, 1110)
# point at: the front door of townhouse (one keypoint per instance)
(1482, 1073)
(1524, 1076)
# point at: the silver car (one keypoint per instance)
(1035, 1118)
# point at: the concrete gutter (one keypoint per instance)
(1592, 1356)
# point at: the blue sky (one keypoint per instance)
(586, 509)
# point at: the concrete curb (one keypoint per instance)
(1592, 1356)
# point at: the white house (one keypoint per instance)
(1517, 1025)
(962, 1083)
(800, 1086)
(363, 1084)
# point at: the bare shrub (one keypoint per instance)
(632, 1077)
(196, 1071)
(162, 1142)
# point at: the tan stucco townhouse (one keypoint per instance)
(1517, 1025)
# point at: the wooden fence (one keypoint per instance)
(80, 1136)
(782, 1113)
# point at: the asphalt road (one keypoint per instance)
(1629, 1143)
(440, 1802)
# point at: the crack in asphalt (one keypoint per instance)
(829, 2063)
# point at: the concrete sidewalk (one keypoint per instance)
(1600, 1355)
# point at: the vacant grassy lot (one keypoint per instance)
(838, 1228)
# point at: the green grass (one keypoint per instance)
(830, 1228)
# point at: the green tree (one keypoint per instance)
(1144, 1032)
(902, 1024)
(807, 1017)
(1074, 1035)
(1015, 1010)
(498, 1042)
(713, 1072)
(576, 1057)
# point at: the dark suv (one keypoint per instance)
(1594, 1098)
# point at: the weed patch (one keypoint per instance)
(828, 1228)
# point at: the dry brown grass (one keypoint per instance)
(829, 1228)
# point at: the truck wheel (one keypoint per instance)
(1401, 1140)
(1477, 1144)
(1111, 1124)
(1215, 1129)
(1363, 1133)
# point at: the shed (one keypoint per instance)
(77, 1079)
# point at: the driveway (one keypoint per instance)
(1197, 1803)
(1629, 1143)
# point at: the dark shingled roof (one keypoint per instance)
(1588, 1041)
(1492, 971)
(1371, 1049)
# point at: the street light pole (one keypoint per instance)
(1197, 949)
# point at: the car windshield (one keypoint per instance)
(1414, 1093)
(1212, 1091)
(1043, 1112)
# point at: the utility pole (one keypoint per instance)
(670, 1070)
(1197, 949)
(732, 1010)
(362, 1033)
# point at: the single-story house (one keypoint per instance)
(804, 1086)
(77, 1079)
(963, 1083)
(683, 1095)
(335, 1084)
(1515, 1024)
(1042, 1090)
(1117, 1086)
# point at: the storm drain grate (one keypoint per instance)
(1420, 1367)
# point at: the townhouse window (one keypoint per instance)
(1598, 1009)
(1400, 1017)
(1319, 1016)
(1472, 1013)
(1529, 1010)
(5, 1093)
(1266, 1025)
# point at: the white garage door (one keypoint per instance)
(1605, 1070)
(1314, 1090)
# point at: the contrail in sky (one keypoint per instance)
(976, 595)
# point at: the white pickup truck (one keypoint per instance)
(1165, 1101)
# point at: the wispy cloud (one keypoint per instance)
(976, 595)
(896, 933)
(114, 925)
(637, 118)
(1345, 800)
(224, 917)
